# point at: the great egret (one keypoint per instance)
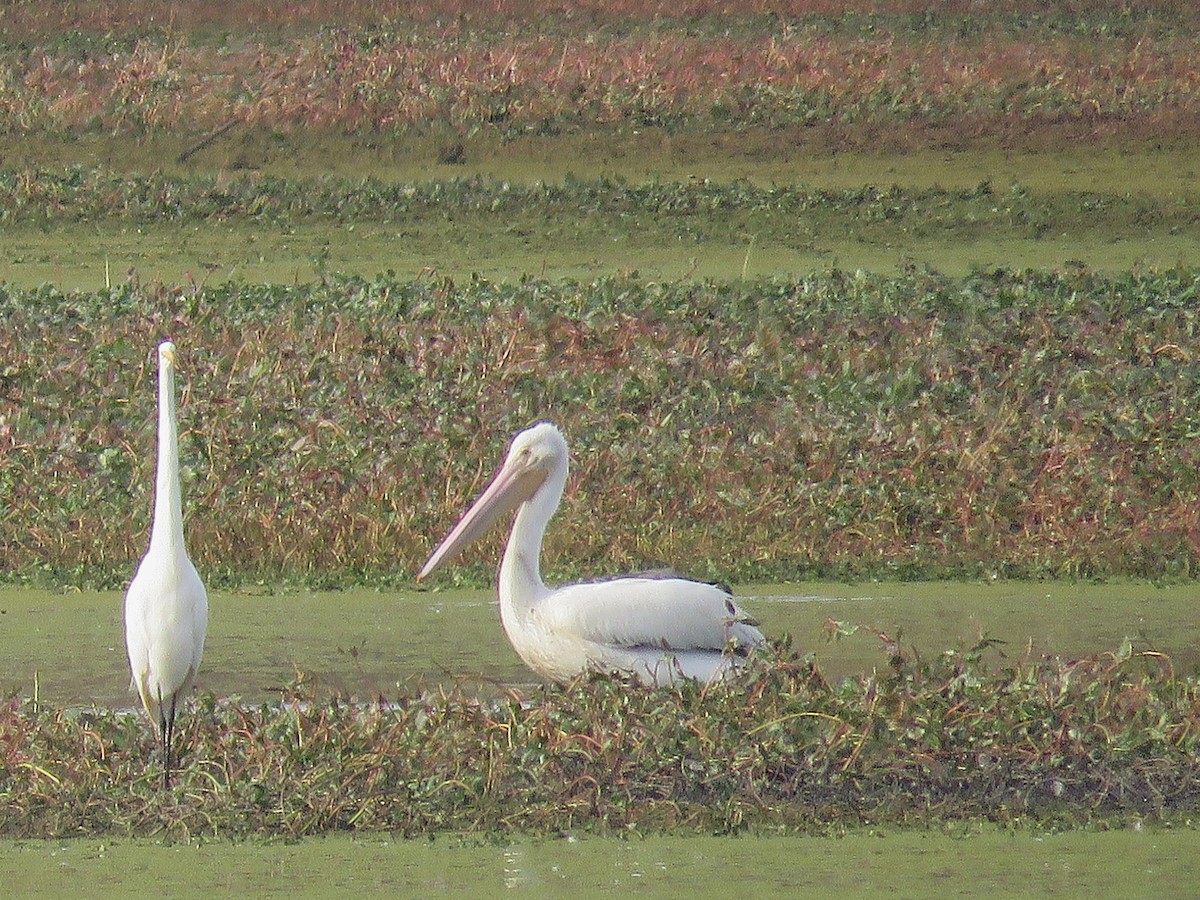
(656, 626)
(166, 606)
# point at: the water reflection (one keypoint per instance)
(514, 873)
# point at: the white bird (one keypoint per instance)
(166, 606)
(656, 626)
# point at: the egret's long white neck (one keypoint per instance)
(166, 530)
(520, 581)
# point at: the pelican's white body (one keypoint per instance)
(166, 606)
(655, 627)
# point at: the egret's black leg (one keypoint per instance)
(164, 728)
(170, 739)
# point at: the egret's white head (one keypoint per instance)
(166, 353)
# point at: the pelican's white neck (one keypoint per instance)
(166, 530)
(520, 581)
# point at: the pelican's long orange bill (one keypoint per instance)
(512, 485)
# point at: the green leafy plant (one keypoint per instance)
(1005, 423)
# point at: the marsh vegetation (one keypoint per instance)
(852, 291)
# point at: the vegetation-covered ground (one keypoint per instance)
(1110, 742)
(548, 66)
(1004, 422)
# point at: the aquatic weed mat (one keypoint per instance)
(544, 67)
(838, 425)
(693, 212)
(88, 226)
(1107, 741)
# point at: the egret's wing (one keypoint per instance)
(137, 640)
(657, 611)
(197, 604)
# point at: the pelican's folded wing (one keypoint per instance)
(657, 611)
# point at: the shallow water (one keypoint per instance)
(68, 647)
(974, 862)
(214, 254)
(760, 156)
(91, 254)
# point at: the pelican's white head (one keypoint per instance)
(536, 457)
(541, 446)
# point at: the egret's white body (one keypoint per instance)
(166, 606)
(657, 627)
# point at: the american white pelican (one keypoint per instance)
(166, 607)
(658, 627)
